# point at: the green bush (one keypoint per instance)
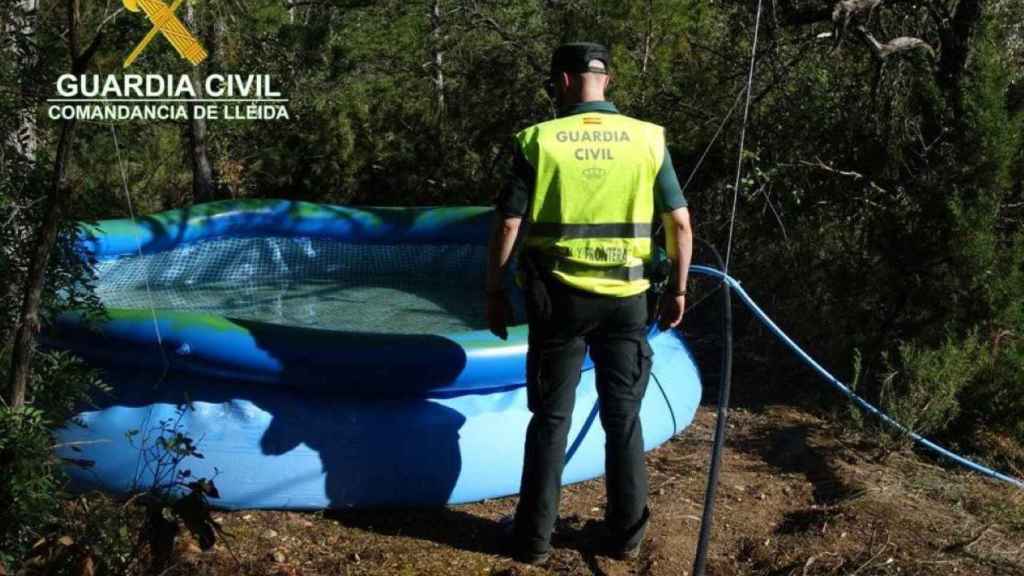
(104, 531)
(995, 399)
(921, 388)
(29, 487)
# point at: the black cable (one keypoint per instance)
(725, 383)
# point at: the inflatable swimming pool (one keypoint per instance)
(320, 357)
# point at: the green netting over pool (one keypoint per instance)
(305, 281)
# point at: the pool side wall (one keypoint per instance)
(289, 417)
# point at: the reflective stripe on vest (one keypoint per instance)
(593, 201)
(623, 273)
(606, 230)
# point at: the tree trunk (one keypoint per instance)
(203, 189)
(646, 56)
(28, 121)
(57, 200)
(956, 45)
(647, 38)
(438, 58)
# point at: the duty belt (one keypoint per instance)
(573, 268)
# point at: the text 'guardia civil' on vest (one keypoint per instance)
(592, 136)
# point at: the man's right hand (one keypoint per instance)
(670, 312)
(499, 314)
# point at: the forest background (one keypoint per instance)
(880, 216)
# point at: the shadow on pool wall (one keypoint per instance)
(378, 444)
(356, 452)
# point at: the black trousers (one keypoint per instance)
(615, 330)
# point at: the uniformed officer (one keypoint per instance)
(588, 185)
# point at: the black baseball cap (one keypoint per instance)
(576, 56)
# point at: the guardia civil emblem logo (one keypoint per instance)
(167, 24)
(594, 178)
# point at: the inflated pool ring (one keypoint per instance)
(296, 417)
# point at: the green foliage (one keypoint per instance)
(103, 530)
(890, 215)
(61, 383)
(996, 399)
(923, 385)
(31, 494)
(29, 489)
(95, 529)
(92, 535)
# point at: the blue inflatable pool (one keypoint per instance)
(320, 357)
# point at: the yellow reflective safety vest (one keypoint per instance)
(593, 201)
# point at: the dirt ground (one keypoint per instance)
(796, 497)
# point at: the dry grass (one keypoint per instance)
(793, 499)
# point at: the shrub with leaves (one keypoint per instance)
(31, 487)
(29, 499)
(170, 494)
(923, 386)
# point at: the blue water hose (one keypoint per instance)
(845, 390)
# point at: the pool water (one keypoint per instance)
(321, 283)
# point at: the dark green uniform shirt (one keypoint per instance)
(514, 200)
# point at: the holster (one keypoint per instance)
(535, 288)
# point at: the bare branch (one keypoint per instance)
(894, 46)
(847, 11)
(845, 173)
